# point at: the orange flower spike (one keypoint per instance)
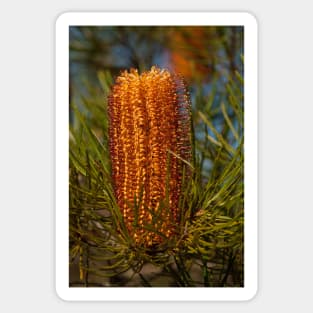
(149, 117)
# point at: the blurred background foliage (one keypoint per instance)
(209, 249)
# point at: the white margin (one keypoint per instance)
(250, 167)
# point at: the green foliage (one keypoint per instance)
(208, 251)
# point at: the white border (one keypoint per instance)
(62, 134)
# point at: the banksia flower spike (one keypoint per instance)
(150, 140)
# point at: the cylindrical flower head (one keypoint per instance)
(149, 137)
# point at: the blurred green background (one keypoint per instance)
(201, 54)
